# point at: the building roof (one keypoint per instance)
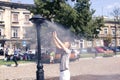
(16, 5)
(111, 21)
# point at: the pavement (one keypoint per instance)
(83, 69)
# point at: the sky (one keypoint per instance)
(102, 7)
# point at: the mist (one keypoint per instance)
(46, 31)
(62, 33)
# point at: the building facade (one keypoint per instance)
(111, 31)
(14, 19)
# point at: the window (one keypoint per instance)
(97, 43)
(0, 32)
(14, 32)
(105, 31)
(81, 40)
(73, 44)
(119, 41)
(81, 43)
(113, 31)
(15, 18)
(119, 31)
(26, 19)
(1, 16)
(89, 43)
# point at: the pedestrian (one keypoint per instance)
(77, 55)
(15, 56)
(6, 54)
(29, 55)
(52, 55)
(65, 55)
(1, 52)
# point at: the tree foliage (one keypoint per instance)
(86, 25)
(79, 19)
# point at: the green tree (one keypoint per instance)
(78, 19)
(47, 8)
(86, 26)
(66, 16)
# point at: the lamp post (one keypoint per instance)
(115, 36)
(38, 20)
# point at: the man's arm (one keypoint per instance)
(56, 43)
(59, 41)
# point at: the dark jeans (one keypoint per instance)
(15, 60)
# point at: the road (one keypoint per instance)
(84, 69)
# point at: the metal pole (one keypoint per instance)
(38, 20)
(40, 71)
(115, 37)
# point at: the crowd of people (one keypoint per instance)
(15, 54)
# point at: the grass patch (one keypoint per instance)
(108, 55)
(86, 55)
(3, 62)
(118, 53)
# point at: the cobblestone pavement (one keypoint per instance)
(84, 69)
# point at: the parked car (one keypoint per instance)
(115, 49)
(83, 50)
(107, 49)
(100, 50)
(118, 47)
(91, 50)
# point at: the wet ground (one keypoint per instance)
(84, 69)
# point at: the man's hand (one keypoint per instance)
(54, 34)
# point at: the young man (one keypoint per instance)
(65, 54)
(15, 56)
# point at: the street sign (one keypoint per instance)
(24, 43)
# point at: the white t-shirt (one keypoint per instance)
(65, 55)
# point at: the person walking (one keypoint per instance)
(6, 54)
(52, 55)
(65, 55)
(15, 56)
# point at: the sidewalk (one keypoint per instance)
(22, 72)
(84, 69)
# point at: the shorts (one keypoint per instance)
(65, 75)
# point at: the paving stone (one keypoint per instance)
(84, 69)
